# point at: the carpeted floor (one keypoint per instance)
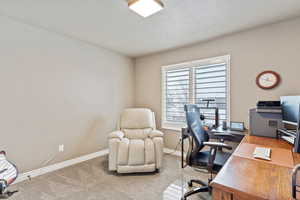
(91, 181)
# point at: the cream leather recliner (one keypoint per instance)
(137, 146)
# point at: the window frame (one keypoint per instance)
(192, 65)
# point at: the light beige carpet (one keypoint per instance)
(91, 181)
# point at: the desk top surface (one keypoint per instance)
(258, 179)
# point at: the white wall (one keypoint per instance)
(56, 90)
(275, 47)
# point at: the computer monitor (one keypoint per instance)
(290, 109)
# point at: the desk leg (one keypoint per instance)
(182, 153)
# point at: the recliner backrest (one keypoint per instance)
(195, 126)
(137, 118)
(137, 123)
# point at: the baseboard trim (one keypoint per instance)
(57, 166)
(44, 170)
(171, 151)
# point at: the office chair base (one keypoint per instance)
(194, 191)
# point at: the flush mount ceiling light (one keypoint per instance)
(145, 8)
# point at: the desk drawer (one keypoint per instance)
(218, 194)
(221, 195)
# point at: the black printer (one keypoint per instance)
(268, 107)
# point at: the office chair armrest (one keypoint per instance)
(218, 144)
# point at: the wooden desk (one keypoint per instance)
(245, 178)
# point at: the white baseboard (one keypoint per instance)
(57, 166)
(171, 151)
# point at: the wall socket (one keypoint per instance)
(61, 148)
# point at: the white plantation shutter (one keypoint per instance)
(211, 83)
(191, 83)
(176, 93)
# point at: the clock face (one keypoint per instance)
(267, 79)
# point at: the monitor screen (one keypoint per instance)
(290, 109)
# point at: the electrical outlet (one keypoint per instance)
(61, 148)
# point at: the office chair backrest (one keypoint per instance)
(195, 126)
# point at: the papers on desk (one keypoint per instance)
(262, 153)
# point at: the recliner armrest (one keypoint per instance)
(156, 133)
(218, 144)
(116, 134)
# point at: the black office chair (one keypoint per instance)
(212, 160)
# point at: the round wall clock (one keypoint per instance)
(267, 79)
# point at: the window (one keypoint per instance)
(194, 82)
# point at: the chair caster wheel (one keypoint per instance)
(190, 184)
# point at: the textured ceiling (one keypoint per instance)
(110, 24)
